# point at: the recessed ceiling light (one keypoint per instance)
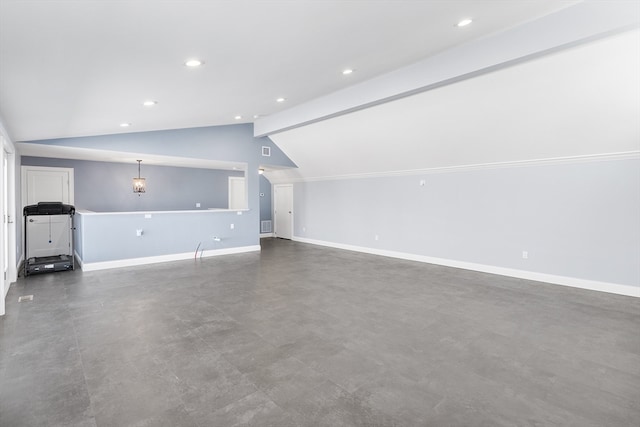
(193, 63)
(149, 103)
(255, 116)
(238, 117)
(464, 22)
(281, 99)
(125, 125)
(347, 71)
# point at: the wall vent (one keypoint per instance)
(266, 151)
(265, 226)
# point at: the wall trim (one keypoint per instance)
(131, 262)
(626, 155)
(77, 260)
(265, 235)
(614, 288)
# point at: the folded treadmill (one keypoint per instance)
(48, 237)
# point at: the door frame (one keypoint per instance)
(23, 185)
(9, 186)
(275, 204)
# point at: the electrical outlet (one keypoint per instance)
(197, 204)
(377, 237)
(423, 182)
(525, 255)
(139, 233)
(216, 238)
(232, 226)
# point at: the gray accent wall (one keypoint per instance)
(107, 187)
(578, 220)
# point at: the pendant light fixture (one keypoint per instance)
(139, 184)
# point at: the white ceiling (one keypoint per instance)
(74, 68)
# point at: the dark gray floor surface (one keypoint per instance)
(300, 335)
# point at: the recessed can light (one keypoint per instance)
(125, 125)
(281, 99)
(149, 103)
(464, 22)
(194, 63)
(255, 116)
(238, 117)
(347, 71)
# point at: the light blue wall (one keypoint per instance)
(234, 143)
(265, 199)
(577, 220)
(113, 237)
(107, 187)
(78, 241)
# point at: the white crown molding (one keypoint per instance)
(573, 282)
(629, 155)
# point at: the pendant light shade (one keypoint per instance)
(139, 184)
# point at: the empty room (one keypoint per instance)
(320, 213)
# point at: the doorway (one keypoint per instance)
(237, 193)
(46, 184)
(283, 211)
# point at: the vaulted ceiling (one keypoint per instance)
(580, 102)
(524, 79)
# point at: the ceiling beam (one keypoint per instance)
(581, 23)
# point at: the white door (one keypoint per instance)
(237, 193)
(4, 233)
(44, 184)
(48, 235)
(283, 211)
(5, 213)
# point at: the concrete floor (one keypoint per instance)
(300, 335)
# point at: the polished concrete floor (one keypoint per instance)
(300, 335)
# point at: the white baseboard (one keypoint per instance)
(592, 285)
(77, 260)
(131, 262)
(264, 235)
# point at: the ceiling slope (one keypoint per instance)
(581, 101)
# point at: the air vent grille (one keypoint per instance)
(265, 226)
